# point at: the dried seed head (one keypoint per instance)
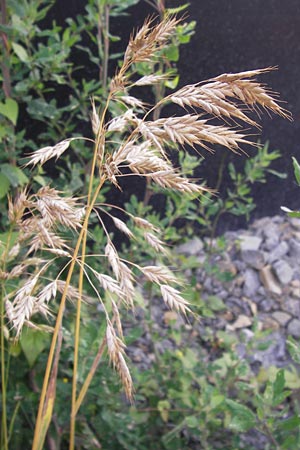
(155, 242)
(113, 259)
(116, 350)
(149, 40)
(174, 300)
(44, 154)
(57, 209)
(17, 207)
(95, 119)
(122, 227)
(159, 274)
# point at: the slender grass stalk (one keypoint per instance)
(80, 286)
(39, 420)
(90, 375)
(4, 369)
(76, 350)
(4, 435)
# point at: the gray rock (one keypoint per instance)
(281, 317)
(294, 328)
(283, 271)
(294, 250)
(248, 242)
(251, 283)
(278, 252)
(292, 306)
(275, 353)
(272, 236)
(266, 305)
(192, 247)
(253, 258)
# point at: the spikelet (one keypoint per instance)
(43, 155)
(174, 300)
(115, 349)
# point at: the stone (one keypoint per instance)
(269, 281)
(294, 328)
(253, 258)
(275, 353)
(266, 305)
(247, 242)
(269, 323)
(294, 250)
(292, 306)
(295, 288)
(251, 283)
(272, 236)
(295, 222)
(281, 317)
(242, 321)
(284, 271)
(278, 252)
(192, 247)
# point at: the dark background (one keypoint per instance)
(232, 36)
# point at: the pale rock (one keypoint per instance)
(272, 236)
(295, 288)
(242, 321)
(269, 281)
(294, 328)
(253, 258)
(192, 247)
(294, 250)
(295, 292)
(295, 221)
(283, 271)
(247, 242)
(248, 334)
(251, 283)
(278, 252)
(281, 317)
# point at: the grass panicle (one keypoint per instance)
(55, 227)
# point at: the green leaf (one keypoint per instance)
(242, 417)
(33, 342)
(177, 9)
(172, 53)
(192, 421)
(296, 170)
(7, 238)
(15, 175)
(281, 175)
(4, 185)
(172, 84)
(290, 423)
(294, 349)
(20, 52)
(163, 407)
(10, 109)
(294, 214)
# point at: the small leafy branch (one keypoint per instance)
(49, 229)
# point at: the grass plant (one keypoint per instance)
(50, 232)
